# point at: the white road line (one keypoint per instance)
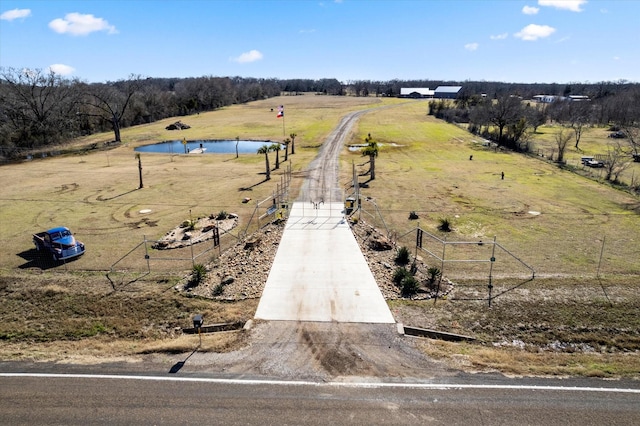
(369, 385)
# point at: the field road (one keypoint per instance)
(322, 182)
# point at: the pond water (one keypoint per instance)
(208, 147)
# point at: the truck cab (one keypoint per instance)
(59, 242)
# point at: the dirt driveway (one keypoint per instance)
(322, 351)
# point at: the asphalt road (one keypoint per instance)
(75, 399)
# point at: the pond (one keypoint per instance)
(205, 147)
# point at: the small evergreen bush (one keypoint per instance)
(445, 225)
(197, 275)
(402, 257)
(410, 285)
(218, 290)
(398, 275)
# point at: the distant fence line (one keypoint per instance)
(555, 254)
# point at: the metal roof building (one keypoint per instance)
(447, 92)
(416, 92)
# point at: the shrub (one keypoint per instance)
(410, 285)
(445, 225)
(402, 257)
(433, 274)
(222, 215)
(218, 290)
(188, 225)
(398, 275)
(197, 275)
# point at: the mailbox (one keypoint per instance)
(349, 205)
(197, 322)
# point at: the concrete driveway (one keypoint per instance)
(319, 272)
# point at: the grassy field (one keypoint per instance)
(579, 235)
(559, 222)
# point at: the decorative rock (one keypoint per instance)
(380, 243)
(178, 125)
(252, 243)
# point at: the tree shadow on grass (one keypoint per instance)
(100, 198)
(250, 188)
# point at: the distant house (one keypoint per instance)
(547, 99)
(416, 92)
(446, 92)
(578, 98)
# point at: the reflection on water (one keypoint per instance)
(205, 147)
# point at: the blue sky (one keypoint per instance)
(530, 41)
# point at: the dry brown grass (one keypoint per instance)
(578, 326)
(518, 362)
(96, 194)
(79, 316)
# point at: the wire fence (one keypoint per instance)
(487, 267)
(148, 257)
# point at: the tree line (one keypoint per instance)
(40, 108)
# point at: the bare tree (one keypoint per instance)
(536, 116)
(37, 106)
(627, 117)
(505, 111)
(562, 139)
(579, 118)
(110, 101)
(617, 162)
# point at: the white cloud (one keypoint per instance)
(10, 15)
(250, 56)
(530, 10)
(471, 46)
(533, 32)
(499, 36)
(62, 69)
(572, 5)
(79, 24)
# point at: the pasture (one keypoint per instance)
(581, 237)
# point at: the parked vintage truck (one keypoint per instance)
(59, 242)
